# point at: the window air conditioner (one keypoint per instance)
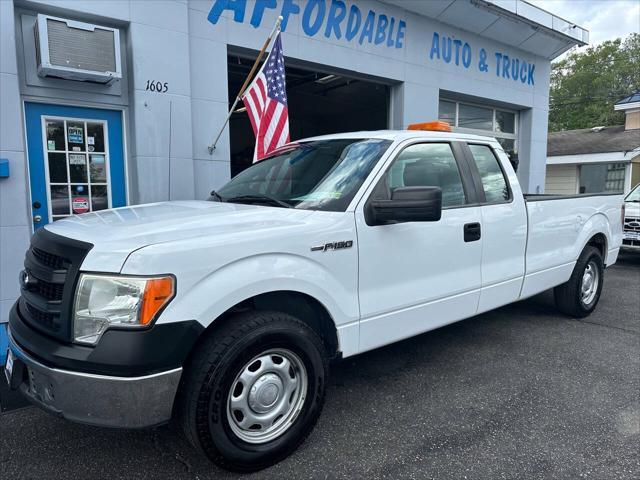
(77, 51)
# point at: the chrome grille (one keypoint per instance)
(632, 224)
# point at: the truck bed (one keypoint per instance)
(559, 226)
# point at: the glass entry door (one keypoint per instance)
(77, 164)
(76, 161)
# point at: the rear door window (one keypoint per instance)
(494, 182)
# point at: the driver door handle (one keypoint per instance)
(472, 232)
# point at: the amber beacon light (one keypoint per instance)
(437, 126)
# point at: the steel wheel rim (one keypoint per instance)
(590, 283)
(267, 396)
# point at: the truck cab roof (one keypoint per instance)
(400, 135)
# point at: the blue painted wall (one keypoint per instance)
(4, 344)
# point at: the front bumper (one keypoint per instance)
(122, 402)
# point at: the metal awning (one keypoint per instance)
(512, 22)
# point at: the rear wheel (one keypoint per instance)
(254, 390)
(579, 296)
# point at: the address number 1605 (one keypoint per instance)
(157, 86)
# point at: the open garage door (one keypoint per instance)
(319, 103)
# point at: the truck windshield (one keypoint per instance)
(634, 195)
(316, 175)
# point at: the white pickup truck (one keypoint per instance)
(224, 314)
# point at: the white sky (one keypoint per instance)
(605, 19)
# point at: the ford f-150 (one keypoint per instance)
(224, 314)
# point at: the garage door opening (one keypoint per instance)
(319, 103)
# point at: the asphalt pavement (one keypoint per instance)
(521, 392)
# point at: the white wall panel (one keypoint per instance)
(168, 15)
(210, 175)
(561, 179)
(13, 196)
(208, 118)
(7, 39)
(11, 128)
(160, 55)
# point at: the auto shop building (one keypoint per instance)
(115, 102)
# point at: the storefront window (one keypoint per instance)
(602, 177)
(447, 112)
(508, 144)
(505, 121)
(480, 119)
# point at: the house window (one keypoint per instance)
(480, 119)
(602, 177)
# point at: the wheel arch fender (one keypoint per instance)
(245, 279)
(596, 231)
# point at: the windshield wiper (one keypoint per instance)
(216, 196)
(258, 198)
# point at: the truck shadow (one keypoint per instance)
(628, 258)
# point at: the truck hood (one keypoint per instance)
(118, 232)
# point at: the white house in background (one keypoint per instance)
(599, 159)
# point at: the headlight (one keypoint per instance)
(127, 302)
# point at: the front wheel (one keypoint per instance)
(579, 296)
(254, 390)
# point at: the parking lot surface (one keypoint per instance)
(521, 392)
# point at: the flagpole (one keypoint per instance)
(276, 27)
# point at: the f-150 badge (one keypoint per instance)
(333, 246)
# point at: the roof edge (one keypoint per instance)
(541, 19)
(626, 106)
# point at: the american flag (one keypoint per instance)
(266, 103)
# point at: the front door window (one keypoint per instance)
(428, 165)
(77, 166)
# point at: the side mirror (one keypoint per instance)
(408, 204)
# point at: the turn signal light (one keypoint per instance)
(157, 293)
(431, 126)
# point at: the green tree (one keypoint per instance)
(585, 85)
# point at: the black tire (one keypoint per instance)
(568, 296)
(202, 404)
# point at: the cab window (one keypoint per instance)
(496, 188)
(428, 165)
